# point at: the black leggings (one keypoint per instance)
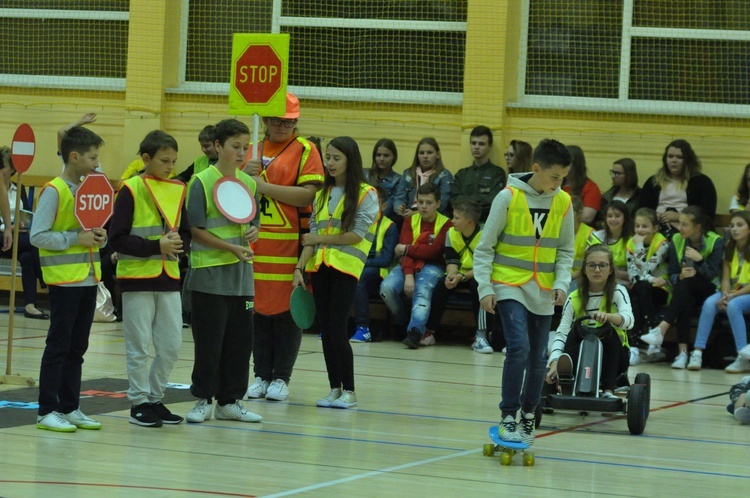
(645, 299)
(687, 294)
(611, 348)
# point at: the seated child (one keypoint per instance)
(460, 243)
(618, 228)
(606, 301)
(733, 298)
(421, 266)
(739, 405)
(647, 268)
(583, 234)
(379, 261)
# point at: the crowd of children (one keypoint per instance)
(520, 244)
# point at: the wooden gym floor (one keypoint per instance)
(418, 431)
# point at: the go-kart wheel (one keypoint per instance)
(528, 460)
(488, 450)
(645, 379)
(637, 408)
(506, 458)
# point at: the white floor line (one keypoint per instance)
(371, 474)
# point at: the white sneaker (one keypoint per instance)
(696, 360)
(235, 411)
(680, 363)
(54, 421)
(80, 420)
(482, 346)
(428, 339)
(200, 412)
(258, 389)
(654, 354)
(635, 357)
(277, 391)
(739, 365)
(347, 400)
(330, 398)
(745, 352)
(654, 337)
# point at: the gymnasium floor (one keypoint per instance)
(419, 430)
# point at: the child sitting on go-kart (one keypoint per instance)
(606, 302)
(739, 395)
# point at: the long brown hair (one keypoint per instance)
(692, 165)
(439, 166)
(584, 284)
(731, 245)
(743, 191)
(355, 177)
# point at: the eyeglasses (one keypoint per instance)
(286, 123)
(615, 173)
(597, 266)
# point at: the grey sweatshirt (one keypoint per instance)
(533, 297)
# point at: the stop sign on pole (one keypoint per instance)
(95, 201)
(23, 148)
(259, 74)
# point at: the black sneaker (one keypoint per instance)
(144, 415)
(412, 339)
(165, 415)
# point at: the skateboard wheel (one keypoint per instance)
(528, 460)
(488, 450)
(506, 458)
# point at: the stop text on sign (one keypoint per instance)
(95, 202)
(258, 74)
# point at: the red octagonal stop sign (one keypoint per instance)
(95, 201)
(258, 74)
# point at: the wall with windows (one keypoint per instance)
(619, 78)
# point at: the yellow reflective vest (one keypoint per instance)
(711, 238)
(346, 258)
(579, 311)
(739, 275)
(580, 245)
(519, 255)
(618, 250)
(217, 224)
(656, 242)
(382, 226)
(465, 252)
(74, 263)
(148, 224)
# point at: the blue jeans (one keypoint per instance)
(736, 308)
(368, 285)
(392, 292)
(526, 335)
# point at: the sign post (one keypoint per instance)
(23, 149)
(258, 83)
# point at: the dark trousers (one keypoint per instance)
(71, 314)
(611, 349)
(367, 286)
(440, 297)
(687, 294)
(223, 338)
(645, 299)
(275, 346)
(334, 295)
(28, 258)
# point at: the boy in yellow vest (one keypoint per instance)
(522, 267)
(70, 265)
(379, 261)
(460, 243)
(221, 283)
(421, 266)
(149, 229)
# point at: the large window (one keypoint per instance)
(651, 56)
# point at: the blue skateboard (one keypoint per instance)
(507, 449)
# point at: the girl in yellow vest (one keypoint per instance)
(71, 268)
(618, 228)
(522, 267)
(583, 235)
(600, 297)
(221, 284)
(733, 298)
(647, 269)
(694, 265)
(149, 230)
(335, 251)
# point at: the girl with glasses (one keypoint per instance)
(601, 298)
(624, 188)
